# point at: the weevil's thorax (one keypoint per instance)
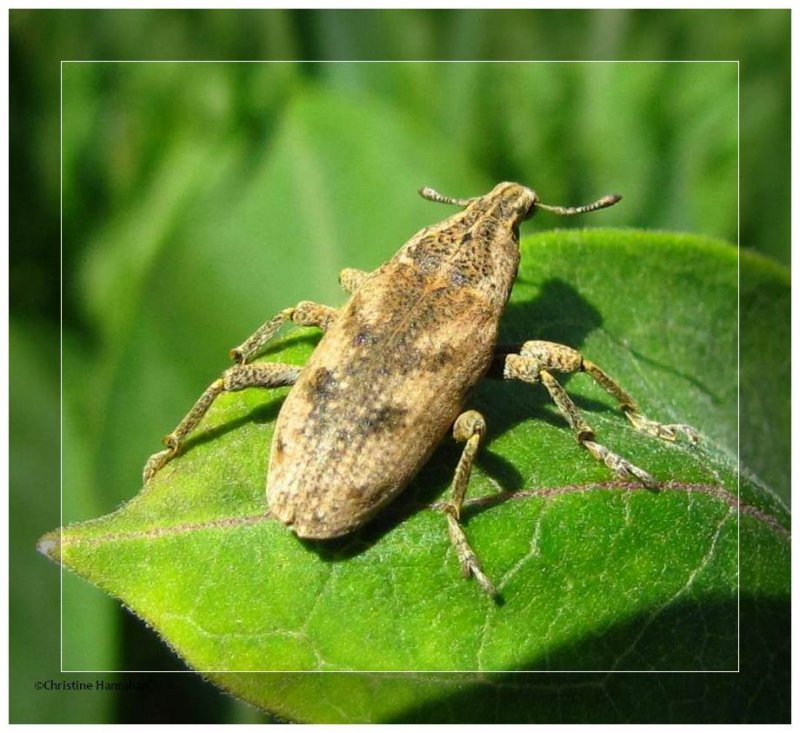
(477, 248)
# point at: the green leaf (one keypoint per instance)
(595, 574)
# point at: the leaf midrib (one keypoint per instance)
(712, 490)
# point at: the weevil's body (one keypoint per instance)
(392, 373)
(394, 370)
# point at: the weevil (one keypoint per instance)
(395, 368)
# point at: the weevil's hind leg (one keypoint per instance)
(237, 377)
(469, 429)
(305, 313)
(351, 279)
(533, 364)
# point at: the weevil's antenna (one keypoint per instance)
(432, 195)
(602, 203)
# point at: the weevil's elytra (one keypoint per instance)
(394, 370)
(438, 300)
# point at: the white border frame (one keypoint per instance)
(415, 671)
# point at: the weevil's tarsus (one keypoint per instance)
(468, 560)
(305, 313)
(602, 203)
(619, 465)
(469, 428)
(669, 432)
(238, 377)
(432, 195)
(155, 463)
(585, 435)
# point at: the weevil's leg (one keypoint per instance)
(469, 429)
(631, 409)
(351, 279)
(557, 357)
(237, 377)
(305, 313)
(530, 369)
(585, 435)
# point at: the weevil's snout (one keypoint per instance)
(528, 203)
(518, 201)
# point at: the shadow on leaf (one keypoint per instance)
(693, 643)
(696, 639)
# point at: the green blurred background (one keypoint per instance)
(198, 199)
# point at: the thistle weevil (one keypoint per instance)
(395, 368)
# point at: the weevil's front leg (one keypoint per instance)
(565, 359)
(305, 313)
(619, 465)
(628, 405)
(469, 428)
(351, 279)
(237, 377)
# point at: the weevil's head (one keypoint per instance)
(514, 202)
(519, 203)
(481, 244)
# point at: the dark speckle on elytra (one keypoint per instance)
(364, 338)
(384, 418)
(441, 359)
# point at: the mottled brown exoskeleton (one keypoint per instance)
(394, 369)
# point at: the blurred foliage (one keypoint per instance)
(34, 613)
(759, 40)
(159, 156)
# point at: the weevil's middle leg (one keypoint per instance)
(237, 377)
(469, 428)
(305, 313)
